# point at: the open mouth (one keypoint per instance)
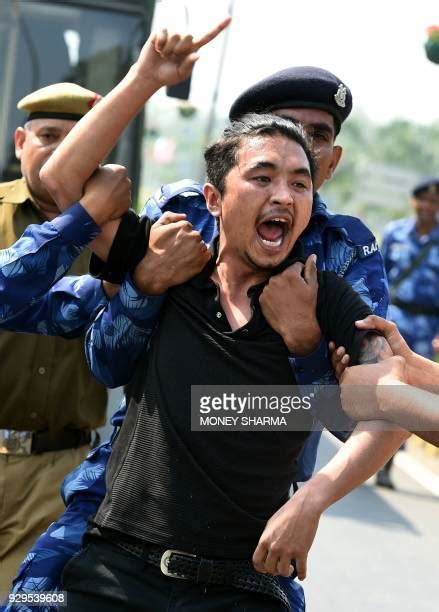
(273, 230)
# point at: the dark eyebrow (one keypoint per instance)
(263, 164)
(271, 166)
(303, 171)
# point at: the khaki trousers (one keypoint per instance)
(29, 502)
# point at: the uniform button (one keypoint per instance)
(33, 415)
(41, 370)
(219, 315)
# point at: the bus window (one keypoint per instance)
(89, 43)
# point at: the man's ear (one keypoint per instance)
(337, 152)
(413, 203)
(19, 138)
(213, 199)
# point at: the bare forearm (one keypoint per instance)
(369, 448)
(422, 372)
(414, 409)
(93, 137)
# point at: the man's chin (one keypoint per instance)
(266, 262)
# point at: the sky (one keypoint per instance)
(375, 47)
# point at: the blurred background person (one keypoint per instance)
(411, 257)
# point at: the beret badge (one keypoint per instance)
(340, 96)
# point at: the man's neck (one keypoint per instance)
(235, 279)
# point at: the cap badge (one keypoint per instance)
(340, 96)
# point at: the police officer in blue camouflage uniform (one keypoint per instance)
(410, 251)
(321, 102)
(411, 257)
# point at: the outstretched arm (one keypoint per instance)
(290, 532)
(165, 59)
(390, 390)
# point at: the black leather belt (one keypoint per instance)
(17, 442)
(185, 566)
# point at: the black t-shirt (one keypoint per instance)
(210, 493)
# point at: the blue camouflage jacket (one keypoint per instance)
(342, 243)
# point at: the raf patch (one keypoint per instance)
(340, 96)
(367, 250)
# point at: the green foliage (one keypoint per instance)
(379, 166)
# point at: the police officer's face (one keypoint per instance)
(34, 144)
(320, 129)
(426, 206)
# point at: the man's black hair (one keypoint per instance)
(222, 155)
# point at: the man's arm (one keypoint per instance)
(164, 60)
(40, 257)
(115, 341)
(66, 310)
(290, 532)
(390, 389)
(45, 252)
(421, 372)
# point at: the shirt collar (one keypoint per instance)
(319, 208)
(19, 193)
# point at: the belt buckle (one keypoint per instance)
(164, 563)
(13, 442)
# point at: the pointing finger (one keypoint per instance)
(200, 42)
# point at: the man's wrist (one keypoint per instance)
(303, 348)
(146, 85)
(154, 285)
(94, 208)
(313, 495)
(76, 226)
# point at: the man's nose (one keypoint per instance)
(283, 194)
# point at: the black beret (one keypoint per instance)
(430, 184)
(297, 87)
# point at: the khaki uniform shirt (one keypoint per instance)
(45, 381)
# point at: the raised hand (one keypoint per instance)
(168, 58)
(107, 194)
(176, 253)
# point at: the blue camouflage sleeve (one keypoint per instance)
(41, 257)
(66, 310)
(120, 333)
